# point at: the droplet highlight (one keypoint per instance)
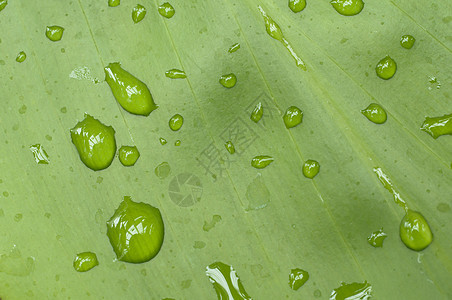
(228, 80)
(415, 232)
(176, 122)
(85, 261)
(138, 13)
(175, 74)
(386, 68)
(311, 168)
(230, 147)
(40, 155)
(131, 93)
(21, 57)
(54, 33)
(438, 126)
(95, 143)
(297, 5)
(349, 291)
(375, 113)
(128, 155)
(407, 41)
(135, 231)
(261, 161)
(226, 282)
(348, 7)
(293, 117)
(166, 10)
(376, 238)
(257, 113)
(297, 278)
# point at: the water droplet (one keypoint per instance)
(387, 184)
(63, 109)
(386, 68)
(230, 147)
(293, 117)
(348, 7)
(138, 13)
(135, 231)
(257, 113)
(40, 155)
(163, 170)
(438, 126)
(83, 73)
(162, 141)
(257, 194)
(21, 57)
(311, 168)
(375, 113)
(23, 109)
(54, 33)
(226, 282)
(376, 238)
(261, 161)
(113, 3)
(131, 93)
(228, 80)
(199, 245)
(234, 48)
(176, 122)
(353, 290)
(99, 179)
(443, 207)
(15, 264)
(85, 261)
(166, 10)
(415, 231)
(175, 74)
(3, 4)
(434, 83)
(95, 143)
(48, 137)
(18, 217)
(297, 278)
(407, 41)
(128, 155)
(177, 143)
(275, 32)
(297, 5)
(318, 293)
(209, 225)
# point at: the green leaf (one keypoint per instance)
(273, 220)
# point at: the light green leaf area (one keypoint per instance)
(272, 220)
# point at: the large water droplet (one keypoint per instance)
(166, 10)
(415, 231)
(257, 113)
(225, 281)
(40, 155)
(297, 278)
(228, 80)
(386, 68)
(176, 122)
(261, 161)
(311, 168)
(138, 13)
(95, 143)
(131, 93)
(376, 238)
(407, 41)
(293, 117)
(135, 231)
(54, 33)
(349, 291)
(348, 7)
(85, 261)
(128, 155)
(438, 126)
(375, 113)
(297, 5)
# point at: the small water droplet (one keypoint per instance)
(166, 10)
(226, 282)
(376, 238)
(443, 207)
(228, 80)
(23, 109)
(415, 232)
(230, 147)
(293, 117)
(177, 143)
(386, 68)
(438, 126)
(138, 13)
(113, 3)
(234, 48)
(85, 261)
(407, 41)
(63, 109)
(135, 231)
(261, 161)
(209, 225)
(375, 113)
(21, 57)
(348, 7)
(175, 74)
(162, 141)
(128, 155)
(353, 290)
(311, 168)
(297, 278)
(176, 122)
(257, 113)
(162, 170)
(54, 33)
(40, 155)
(18, 217)
(199, 245)
(297, 5)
